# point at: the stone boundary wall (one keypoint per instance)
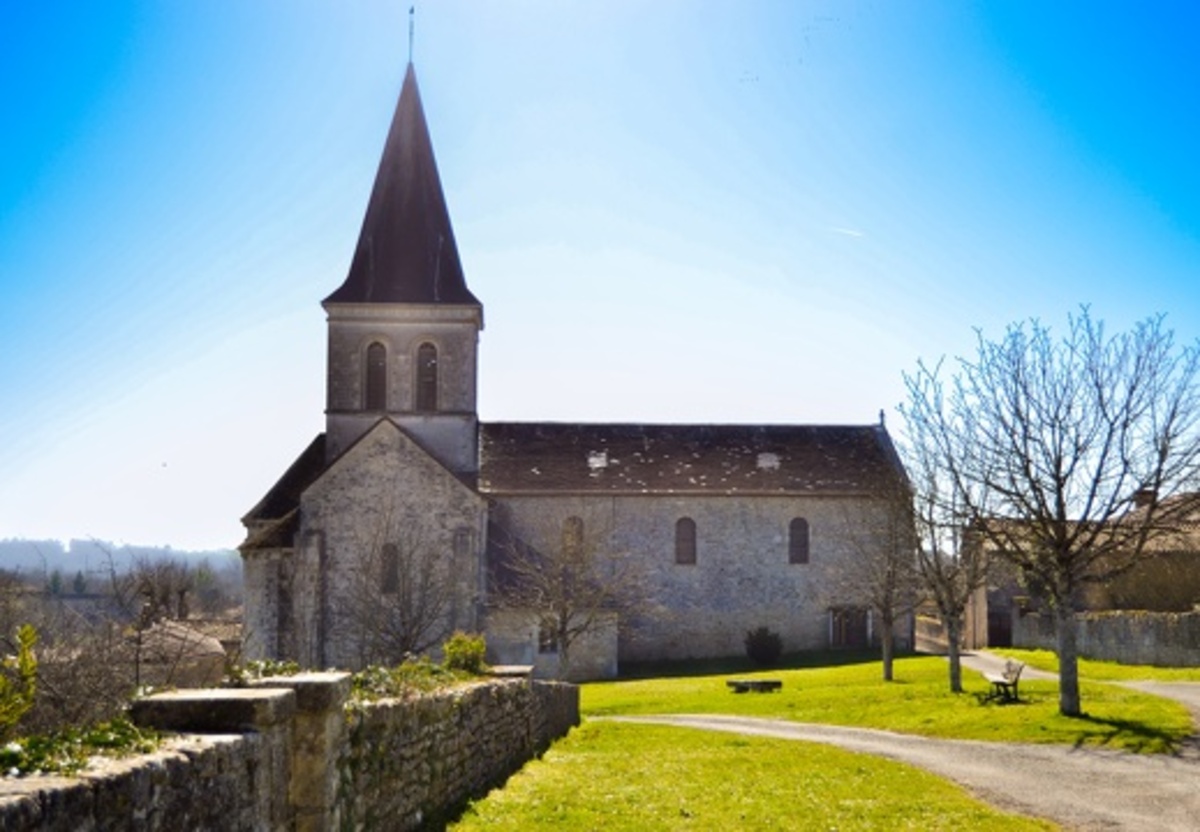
(291, 754)
(1166, 639)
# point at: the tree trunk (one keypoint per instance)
(564, 655)
(1068, 660)
(953, 653)
(885, 643)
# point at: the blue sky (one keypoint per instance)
(672, 211)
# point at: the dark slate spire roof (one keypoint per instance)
(406, 251)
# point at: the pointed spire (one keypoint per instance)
(406, 251)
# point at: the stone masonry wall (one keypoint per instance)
(1166, 639)
(289, 754)
(411, 764)
(741, 578)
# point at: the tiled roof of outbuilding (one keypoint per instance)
(711, 459)
(275, 533)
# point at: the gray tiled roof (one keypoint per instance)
(716, 459)
(284, 495)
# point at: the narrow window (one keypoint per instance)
(798, 541)
(547, 637)
(389, 578)
(427, 378)
(572, 539)
(462, 542)
(376, 398)
(685, 540)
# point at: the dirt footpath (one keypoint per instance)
(1080, 788)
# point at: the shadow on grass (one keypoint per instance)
(1131, 734)
(985, 698)
(742, 664)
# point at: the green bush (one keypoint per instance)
(18, 681)
(239, 675)
(464, 651)
(409, 678)
(763, 646)
(67, 751)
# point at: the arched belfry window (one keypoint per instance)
(427, 378)
(376, 396)
(685, 541)
(798, 541)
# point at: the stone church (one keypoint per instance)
(396, 525)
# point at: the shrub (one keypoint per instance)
(464, 651)
(239, 675)
(763, 646)
(18, 680)
(69, 750)
(409, 678)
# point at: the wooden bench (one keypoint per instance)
(1004, 685)
(754, 685)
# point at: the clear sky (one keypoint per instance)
(689, 211)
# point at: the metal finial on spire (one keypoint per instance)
(411, 12)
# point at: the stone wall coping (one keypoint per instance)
(215, 710)
(316, 691)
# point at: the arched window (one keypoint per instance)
(427, 378)
(376, 398)
(389, 569)
(798, 541)
(572, 536)
(685, 540)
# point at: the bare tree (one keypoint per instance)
(880, 571)
(950, 572)
(1066, 453)
(575, 583)
(399, 594)
(147, 588)
(13, 594)
(95, 651)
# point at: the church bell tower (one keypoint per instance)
(404, 327)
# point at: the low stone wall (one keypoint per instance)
(290, 754)
(412, 764)
(1166, 639)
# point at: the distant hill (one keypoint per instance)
(91, 556)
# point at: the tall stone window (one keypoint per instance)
(547, 638)
(798, 541)
(572, 536)
(685, 541)
(427, 378)
(376, 386)
(389, 569)
(462, 542)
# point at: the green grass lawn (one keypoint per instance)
(615, 776)
(918, 702)
(623, 776)
(1105, 671)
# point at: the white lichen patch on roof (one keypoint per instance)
(597, 460)
(768, 461)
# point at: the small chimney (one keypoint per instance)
(1145, 497)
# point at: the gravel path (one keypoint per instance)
(1080, 788)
